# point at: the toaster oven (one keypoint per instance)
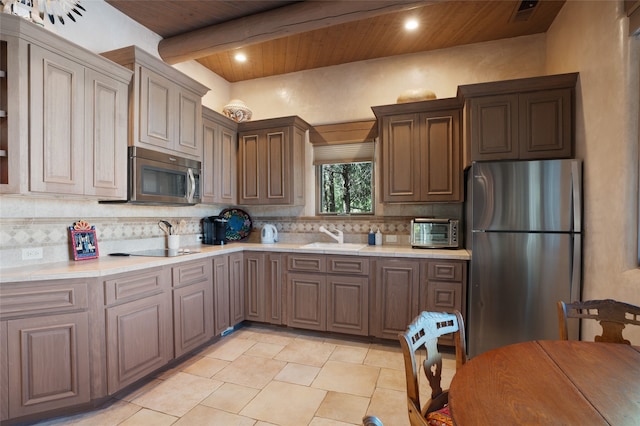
(434, 233)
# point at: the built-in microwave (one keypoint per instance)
(160, 178)
(434, 233)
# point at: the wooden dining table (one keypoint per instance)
(549, 382)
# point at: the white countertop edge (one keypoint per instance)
(110, 265)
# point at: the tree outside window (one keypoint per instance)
(346, 188)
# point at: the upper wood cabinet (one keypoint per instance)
(165, 104)
(65, 116)
(421, 151)
(271, 161)
(220, 158)
(522, 119)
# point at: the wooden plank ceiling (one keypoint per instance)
(355, 37)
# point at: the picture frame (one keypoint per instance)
(84, 243)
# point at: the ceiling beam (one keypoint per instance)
(282, 22)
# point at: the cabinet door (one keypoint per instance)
(255, 279)
(192, 316)
(221, 294)
(441, 156)
(48, 359)
(443, 289)
(306, 301)
(400, 158)
(236, 288)
(348, 304)
(139, 339)
(265, 167)
(157, 105)
(210, 154)
(250, 180)
(545, 124)
(219, 163)
(227, 171)
(276, 170)
(192, 305)
(396, 296)
(56, 126)
(105, 112)
(189, 131)
(493, 127)
(4, 372)
(274, 288)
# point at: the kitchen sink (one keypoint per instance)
(334, 246)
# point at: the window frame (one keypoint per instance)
(318, 173)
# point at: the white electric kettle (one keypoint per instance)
(269, 234)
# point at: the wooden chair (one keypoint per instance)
(423, 332)
(612, 315)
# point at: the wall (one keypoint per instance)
(333, 94)
(347, 92)
(592, 37)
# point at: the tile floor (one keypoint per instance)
(261, 375)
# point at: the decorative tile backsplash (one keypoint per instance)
(130, 233)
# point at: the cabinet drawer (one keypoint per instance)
(306, 263)
(20, 299)
(133, 286)
(347, 265)
(446, 270)
(192, 273)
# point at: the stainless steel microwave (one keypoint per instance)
(160, 178)
(434, 233)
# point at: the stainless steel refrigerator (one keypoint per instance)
(526, 252)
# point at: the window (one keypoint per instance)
(343, 155)
(345, 188)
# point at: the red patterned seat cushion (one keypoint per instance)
(441, 417)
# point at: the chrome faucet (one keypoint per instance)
(339, 238)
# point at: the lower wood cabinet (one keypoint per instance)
(4, 372)
(44, 347)
(263, 287)
(395, 296)
(405, 287)
(443, 289)
(64, 343)
(307, 301)
(48, 362)
(139, 332)
(328, 293)
(236, 288)
(228, 287)
(348, 304)
(192, 305)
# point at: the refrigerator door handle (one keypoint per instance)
(576, 185)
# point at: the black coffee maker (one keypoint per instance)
(215, 230)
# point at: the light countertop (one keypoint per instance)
(109, 265)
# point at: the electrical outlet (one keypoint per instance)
(392, 238)
(32, 253)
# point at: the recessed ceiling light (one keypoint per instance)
(411, 24)
(241, 57)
